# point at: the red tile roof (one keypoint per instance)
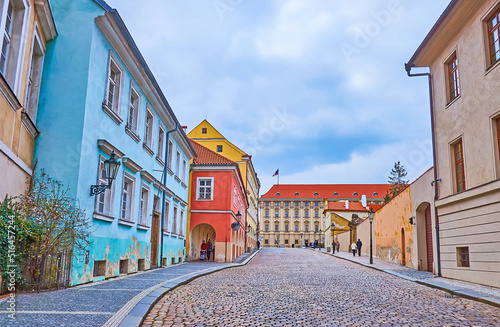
(324, 191)
(209, 157)
(340, 206)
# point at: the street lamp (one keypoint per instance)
(301, 242)
(371, 215)
(333, 237)
(314, 239)
(320, 237)
(111, 167)
(238, 216)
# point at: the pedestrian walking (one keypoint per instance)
(353, 248)
(209, 249)
(258, 245)
(359, 244)
(338, 246)
(203, 251)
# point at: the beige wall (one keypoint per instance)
(12, 177)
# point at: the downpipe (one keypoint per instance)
(408, 68)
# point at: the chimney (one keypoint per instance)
(347, 204)
(184, 128)
(363, 200)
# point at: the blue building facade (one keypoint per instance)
(98, 96)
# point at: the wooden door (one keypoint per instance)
(428, 238)
(155, 239)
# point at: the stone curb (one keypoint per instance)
(452, 290)
(139, 312)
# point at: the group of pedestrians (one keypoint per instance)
(207, 250)
(356, 246)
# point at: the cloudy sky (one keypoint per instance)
(316, 88)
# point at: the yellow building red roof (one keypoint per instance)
(326, 191)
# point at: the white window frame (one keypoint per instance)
(19, 32)
(181, 223)
(184, 170)
(133, 120)
(34, 77)
(198, 180)
(144, 206)
(177, 163)
(107, 196)
(129, 209)
(114, 66)
(170, 153)
(166, 227)
(235, 196)
(174, 220)
(149, 128)
(161, 142)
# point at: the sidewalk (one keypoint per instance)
(477, 292)
(121, 301)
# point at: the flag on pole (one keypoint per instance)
(277, 172)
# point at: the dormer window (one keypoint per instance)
(335, 193)
(375, 193)
(316, 193)
(355, 193)
(278, 193)
(296, 193)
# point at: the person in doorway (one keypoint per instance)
(338, 246)
(258, 245)
(209, 249)
(353, 248)
(359, 244)
(203, 251)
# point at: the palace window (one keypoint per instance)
(286, 228)
(267, 228)
(493, 36)
(453, 77)
(286, 213)
(316, 213)
(267, 213)
(276, 213)
(306, 213)
(458, 156)
(127, 198)
(306, 204)
(276, 228)
(307, 228)
(267, 204)
(219, 148)
(296, 213)
(296, 227)
(133, 109)
(143, 206)
(204, 189)
(204, 130)
(316, 227)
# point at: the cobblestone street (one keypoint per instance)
(300, 287)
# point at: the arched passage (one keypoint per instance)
(424, 237)
(199, 233)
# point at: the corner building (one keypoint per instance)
(462, 51)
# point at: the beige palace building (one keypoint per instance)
(293, 215)
(462, 51)
(26, 27)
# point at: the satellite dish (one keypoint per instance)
(235, 226)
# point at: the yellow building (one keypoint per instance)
(206, 135)
(26, 26)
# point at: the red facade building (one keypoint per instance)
(218, 206)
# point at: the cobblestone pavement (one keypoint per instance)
(91, 304)
(300, 287)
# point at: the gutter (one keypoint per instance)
(165, 173)
(408, 67)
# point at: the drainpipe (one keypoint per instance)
(165, 172)
(408, 68)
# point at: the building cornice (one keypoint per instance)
(44, 13)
